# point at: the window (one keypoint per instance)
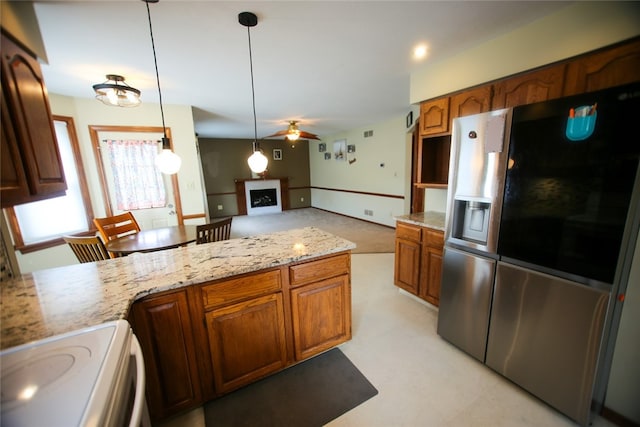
(136, 180)
(41, 224)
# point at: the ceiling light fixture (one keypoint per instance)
(167, 161)
(257, 161)
(116, 93)
(293, 133)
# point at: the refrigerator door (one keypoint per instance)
(545, 336)
(567, 194)
(476, 179)
(465, 300)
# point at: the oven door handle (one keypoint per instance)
(139, 411)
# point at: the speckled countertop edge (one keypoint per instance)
(430, 219)
(53, 301)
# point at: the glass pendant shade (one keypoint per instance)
(293, 136)
(257, 162)
(116, 93)
(168, 162)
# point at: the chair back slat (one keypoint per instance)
(87, 248)
(116, 226)
(214, 232)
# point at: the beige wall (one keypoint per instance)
(87, 112)
(576, 29)
(225, 160)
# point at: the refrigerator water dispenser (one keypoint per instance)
(471, 220)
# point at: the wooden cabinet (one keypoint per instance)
(163, 326)
(472, 101)
(407, 257)
(320, 305)
(434, 117)
(418, 261)
(606, 68)
(206, 340)
(531, 87)
(431, 266)
(247, 341)
(31, 162)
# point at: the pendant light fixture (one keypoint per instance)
(167, 161)
(116, 93)
(257, 161)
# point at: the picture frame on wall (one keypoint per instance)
(340, 150)
(327, 156)
(322, 147)
(277, 154)
(351, 148)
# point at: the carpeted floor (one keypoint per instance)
(309, 394)
(369, 237)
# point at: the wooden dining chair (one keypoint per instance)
(214, 231)
(87, 248)
(116, 226)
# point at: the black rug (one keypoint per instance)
(309, 394)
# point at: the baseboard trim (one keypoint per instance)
(616, 418)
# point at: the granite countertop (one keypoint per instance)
(429, 219)
(53, 301)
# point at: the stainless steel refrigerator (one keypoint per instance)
(535, 241)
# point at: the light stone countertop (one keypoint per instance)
(429, 219)
(53, 301)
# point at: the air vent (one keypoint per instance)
(368, 133)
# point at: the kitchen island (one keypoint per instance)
(210, 318)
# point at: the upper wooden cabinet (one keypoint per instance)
(472, 101)
(31, 162)
(536, 86)
(434, 117)
(608, 68)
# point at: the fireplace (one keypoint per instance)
(263, 196)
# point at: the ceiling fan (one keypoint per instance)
(292, 133)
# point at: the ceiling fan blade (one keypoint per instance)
(308, 135)
(279, 133)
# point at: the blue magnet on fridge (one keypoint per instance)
(581, 123)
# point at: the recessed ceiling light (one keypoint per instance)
(420, 51)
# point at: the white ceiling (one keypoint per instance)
(333, 65)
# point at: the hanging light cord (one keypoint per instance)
(253, 94)
(155, 61)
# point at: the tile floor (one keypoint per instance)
(421, 379)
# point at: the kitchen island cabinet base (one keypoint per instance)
(219, 336)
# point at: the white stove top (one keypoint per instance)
(63, 380)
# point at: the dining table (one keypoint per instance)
(155, 239)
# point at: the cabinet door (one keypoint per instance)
(407, 265)
(470, 102)
(434, 117)
(529, 88)
(247, 341)
(608, 68)
(30, 116)
(13, 182)
(321, 314)
(432, 272)
(163, 326)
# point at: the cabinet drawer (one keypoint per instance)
(408, 232)
(318, 270)
(241, 288)
(434, 238)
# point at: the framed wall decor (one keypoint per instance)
(351, 148)
(340, 150)
(327, 156)
(322, 147)
(277, 154)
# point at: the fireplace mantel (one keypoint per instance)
(242, 200)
